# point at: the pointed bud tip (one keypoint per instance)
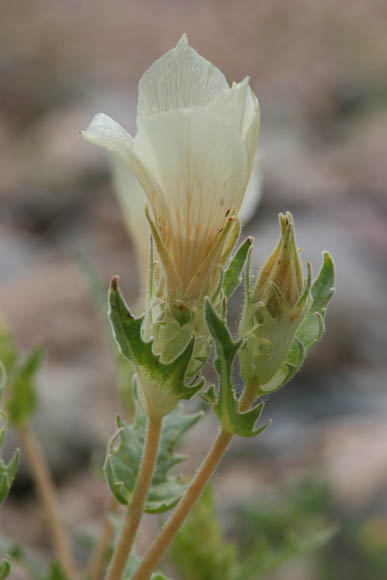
(114, 283)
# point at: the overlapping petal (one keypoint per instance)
(181, 78)
(209, 164)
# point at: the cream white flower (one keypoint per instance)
(193, 155)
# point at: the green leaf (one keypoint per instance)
(21, 398)
(55, 572)
(8, 352)
(3, 379)
(162, 383)
(5, 568)
(225, 406)
(232, 276)
(124, 457)
(7, 471)
(17, 553)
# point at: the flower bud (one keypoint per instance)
(282, 271)
(273, 310)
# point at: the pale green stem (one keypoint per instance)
(175, 521)
(46, 492)
(247, 398)
(136, 506)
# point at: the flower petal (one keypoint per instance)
(238, 105)
(253, 192)
(200, 164)
(181, 78)
(229, 106)
(106, 132)
(251, 125)
(133, 201)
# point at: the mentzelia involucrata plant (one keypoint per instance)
(192, 156)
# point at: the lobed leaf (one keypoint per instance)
(124, 456)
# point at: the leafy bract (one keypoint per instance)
(312, 326)
(232, 275)
(162, 385)
(224, 403)
(124, 456)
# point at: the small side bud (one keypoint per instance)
(274, 310)
(282, 271)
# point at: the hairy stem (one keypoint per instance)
(46, 492)
(247, 399)
(175, 521)
(136, 506)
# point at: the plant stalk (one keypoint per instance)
(47, 495)
(136, 506)
(175, 521)
(247, 399)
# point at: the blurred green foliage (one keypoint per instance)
(269, 535)
(200, 551)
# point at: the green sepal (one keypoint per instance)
(159, 576)
(162, 384)
(232, 275)
(322, 291)
(225, 405)
(311, 328)
(21, 396)
(124, 456)
(5, 568)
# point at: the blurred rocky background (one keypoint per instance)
(319, 70)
